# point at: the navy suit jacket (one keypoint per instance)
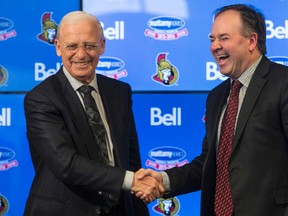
(69, 178)
(258, 168)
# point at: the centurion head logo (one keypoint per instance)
(3, 76)
(49, 29)
(3, 205)
(167, 74)
(168, 206)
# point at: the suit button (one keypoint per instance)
(100, 193)
(97, 212)
(238, 201)
(234, 170)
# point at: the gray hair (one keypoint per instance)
(76, 16)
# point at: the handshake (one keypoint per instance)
(147, 185)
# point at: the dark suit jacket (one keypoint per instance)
(69, 179)
(258, 167)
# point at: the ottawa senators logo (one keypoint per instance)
(167, 206)
(49, 29)
(167, 74)
(3, 75)
(3, 205)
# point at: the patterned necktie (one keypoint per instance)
(95, 121)
(223, 198)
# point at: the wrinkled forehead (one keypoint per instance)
(75, 18)
(228, 21)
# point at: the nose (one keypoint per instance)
(215, 45)
(80, 52)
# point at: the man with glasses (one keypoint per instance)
(85, 154)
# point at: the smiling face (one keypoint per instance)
(233, 52)
(82, 32)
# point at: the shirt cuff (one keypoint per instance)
(128, 180)
(166, 181)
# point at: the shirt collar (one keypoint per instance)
(76, 83)
(246, 77)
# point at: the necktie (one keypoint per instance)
(95, 121)
(223, 199)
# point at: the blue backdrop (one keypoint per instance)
(159, 47)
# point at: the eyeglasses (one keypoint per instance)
(87, 47)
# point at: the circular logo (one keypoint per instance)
(170, 206)
(3, 75)
(3, 205)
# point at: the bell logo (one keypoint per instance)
(168, 119)
(279, 32)
(114, 33)
(41, 73)
(212, 73)
(5, 117)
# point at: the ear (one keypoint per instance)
(58, 47)
(102, 48)
(253, 41)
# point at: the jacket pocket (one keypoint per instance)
(281, 196)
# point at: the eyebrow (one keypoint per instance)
(221, 35)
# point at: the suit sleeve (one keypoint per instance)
(284, 107)
(187, 178)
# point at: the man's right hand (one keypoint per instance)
(147, 185)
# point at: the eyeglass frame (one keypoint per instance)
(73, 48)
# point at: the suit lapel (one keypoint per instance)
(75, 109)
(105, 89)
(219, 99)
(254, 89)
(110, 105)
(215, 102)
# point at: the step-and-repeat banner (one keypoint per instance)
(159, 47)
(170, 129)
(164, 44)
